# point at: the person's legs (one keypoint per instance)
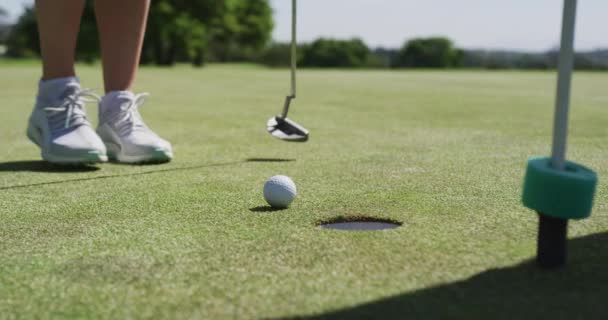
(58, 124)
(58, 26)
(122, 26)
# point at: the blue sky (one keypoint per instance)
(490, 24)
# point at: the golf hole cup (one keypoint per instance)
(557, 196)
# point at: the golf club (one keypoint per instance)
(280, 126)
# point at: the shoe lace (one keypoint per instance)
(72, 107)
(130, 113)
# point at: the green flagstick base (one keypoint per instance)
(558, 196)
(565, 194)
(552, 242)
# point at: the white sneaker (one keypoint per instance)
(59, 126)
(126, 136)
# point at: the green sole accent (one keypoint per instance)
(158, 157)
(155, 157)
(566, 194)
(96, 157)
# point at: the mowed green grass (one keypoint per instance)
(442, 152)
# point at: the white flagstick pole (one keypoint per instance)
(553, 232)
(562, 106)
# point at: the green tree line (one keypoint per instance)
(192, 31)
(354, 53)
(4, 27)
(429, 53)
(199, 31)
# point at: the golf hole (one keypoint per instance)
(360, 224)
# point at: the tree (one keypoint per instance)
(23, 41)
(429, 53)
(255, 24)
(3, 16)
(4, 26)
(178, 31)
(222, 30)
(237, 29)
(88, 38)
(221, 23)
(173, 35)
(336, 54)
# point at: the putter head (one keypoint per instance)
(286, 130)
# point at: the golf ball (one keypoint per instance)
(279, 191)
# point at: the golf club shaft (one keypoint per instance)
(294, 58)
(566, 61)
(294, 47)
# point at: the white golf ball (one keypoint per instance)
(279, 191)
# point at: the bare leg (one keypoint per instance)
(121, 27)
(58, 26)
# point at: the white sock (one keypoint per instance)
(49, 91)
(114, 99)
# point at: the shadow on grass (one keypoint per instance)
(43, 166)
(265, 209)
(579, 291)
(102, 177)
(150, 163)
(269, 160)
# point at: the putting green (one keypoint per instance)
(442, 152)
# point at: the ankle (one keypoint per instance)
(51, 90)
(114, 99)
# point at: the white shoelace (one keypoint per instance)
(72, 106)
(130, 113)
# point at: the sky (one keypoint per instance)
(530, 25)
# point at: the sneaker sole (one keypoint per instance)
(156, 156)
(90, 157)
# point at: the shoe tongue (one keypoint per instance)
(53, 89)
(114, 106)
(116, 100)
(53, 94)
(77, 117)
(70, 90)
(125, 96)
